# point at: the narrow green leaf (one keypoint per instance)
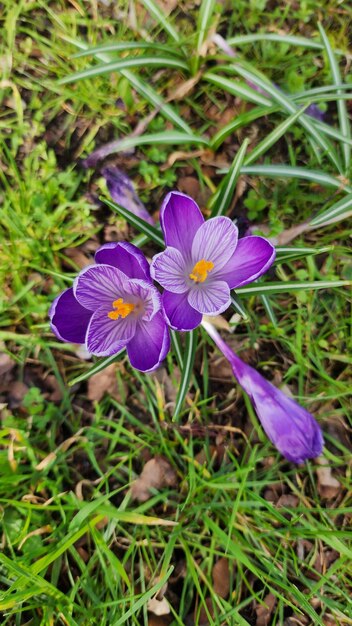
(286, 171)
(143, 599)
(204, 15)
(287, 253)
(237, 88)
(162, 19)
(119, 46)
(227, 186)
(341, 105)
(136, 221)
(97, 367)
(239, 121)
(288, 105)
(238, 307)
(273, 137)
(285, 39)
(337, 212)
(145, 90)
(187, 369)
(269, 309)
(284, 287)
(177, 348)
(122, 64)
(169, 137)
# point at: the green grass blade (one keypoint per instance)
(204, 16)
(286, 286)
(341, 105)
(244, 119)
(238, 307)
(285, 39)
(287, 104)
(144, 90)
(97, 367)
(119, 46)
(127, 63)
(273, 137)
(187, 369)
(136, 221)
(337, 212)
(167, 137)
(286, 171)
(238, 89)
(227, 186)
(161, 18)
(287, 253)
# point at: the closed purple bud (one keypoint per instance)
(122, 192)
(290, 427)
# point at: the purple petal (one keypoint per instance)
(122, 192)
(178, 312)
(215, 241)
(180, 218)
(145, 294)
(169, 269)
(106, 336)
(68, 319)
(290, 427)
(99, 285)
(150, 344)
(314, 111)
(126, 257)
(210, 298)
(252, 258)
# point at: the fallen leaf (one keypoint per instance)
(156, 473)
(104, 382)
(76, 255)
(189, 185)
(6, 363)
(221, 577)
(265, 610)
(328, 485)
(158, 607)
(17, 391)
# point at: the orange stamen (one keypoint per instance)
(200, 271)
(122, 309)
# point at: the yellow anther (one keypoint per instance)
(200, 270)
(122, 309)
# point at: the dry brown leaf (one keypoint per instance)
(189, 185)
(6, 363)
(184, 89)
(76, 255)
(16, 390)
(265, 610)
(104, 382)
(328, 485)
(156, 473)
(221, 577)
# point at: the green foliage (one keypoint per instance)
(76, 549)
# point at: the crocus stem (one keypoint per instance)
(223, 347)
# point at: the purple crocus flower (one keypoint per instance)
(122, 192)
(203, 260)
(290, 427)
(112, 305)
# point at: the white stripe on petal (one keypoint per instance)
(169, 269)
(210, 299)
(215, 241)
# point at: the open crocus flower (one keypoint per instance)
(203, 260)
(290, 427)
(112, 305)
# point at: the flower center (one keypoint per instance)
(122, 309)
(200, 270)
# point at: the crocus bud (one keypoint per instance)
(290, 427)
